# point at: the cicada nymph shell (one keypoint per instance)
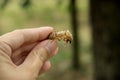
(62, 35)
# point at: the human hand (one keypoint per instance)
(24, 53)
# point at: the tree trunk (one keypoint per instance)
(105, 18)
(74, 22)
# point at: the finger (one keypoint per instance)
(39, 55)
(20, 54)
(46, 66)
(55, 52)
(19, 37)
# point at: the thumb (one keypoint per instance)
(39, 55)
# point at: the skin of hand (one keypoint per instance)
(24, 53)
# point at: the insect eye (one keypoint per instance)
(68, 41)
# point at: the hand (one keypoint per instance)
(24, 53)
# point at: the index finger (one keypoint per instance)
(17, 38)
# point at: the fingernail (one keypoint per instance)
(51, 46)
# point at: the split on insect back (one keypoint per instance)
(61, 35)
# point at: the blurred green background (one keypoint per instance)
(55, 13)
